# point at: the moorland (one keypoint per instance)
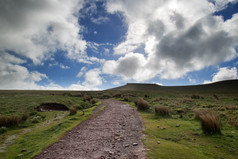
(179, 121)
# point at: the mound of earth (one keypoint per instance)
(52, 107)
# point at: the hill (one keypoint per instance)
(229, 86)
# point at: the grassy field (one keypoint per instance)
(180, 135)
(28, 138)
(177, 135)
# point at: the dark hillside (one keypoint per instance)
(229, 86)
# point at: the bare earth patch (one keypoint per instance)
(114, 133)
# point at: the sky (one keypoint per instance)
(101, 44)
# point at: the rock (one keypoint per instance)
(157, 126)
(126, 145)
(23, 150)
(163, 128)
(45, 151)
(233, 132)
(158, 142)
(135, 144)
(177, 125)
(110, 152)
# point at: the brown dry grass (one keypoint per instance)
(209, 121)
(142, 104)
(162, 110)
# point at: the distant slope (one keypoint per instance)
(222, 86)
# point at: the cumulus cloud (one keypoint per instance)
(224, 73)
(36, 29)
(15, 76)
(92, 78)
(177, 36)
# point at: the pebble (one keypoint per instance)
(177, 125)
(126, 145)
(135, 144)
(158, 142)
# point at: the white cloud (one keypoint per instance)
(177, 36)
(36, 29)
(221, 4)
(92, 78)
(64, 67)
(15, 76)
(224, 73)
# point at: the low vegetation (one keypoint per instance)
(162, 110)
(142, 104)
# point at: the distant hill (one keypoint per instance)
(228, 86)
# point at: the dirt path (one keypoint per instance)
(115, 133)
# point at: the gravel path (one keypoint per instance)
(115, 133)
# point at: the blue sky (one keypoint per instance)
(100, 44)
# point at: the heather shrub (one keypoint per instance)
(209, 122)
(93, 101)
(117, 95)
(194, 96)
(24, 117)
(142, 104)
(162, 110)
(73, 110)
(216, 97)
(86, 98)
(106, 96)
(9, 121)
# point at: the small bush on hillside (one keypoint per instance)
(24, 117)
(162, 110)
(93, 101)
(216, 97)
(9, 121)
(194, 96)
(142, 104)
(210, 122)
(159, 99)
(106, 96)
(73, 110)
(117, 95)
(86, 98)
(146, 96)
(127, 99)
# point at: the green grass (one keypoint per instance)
(41, 128)
(43, 134)
(186, 141)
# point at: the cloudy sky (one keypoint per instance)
(100, 44)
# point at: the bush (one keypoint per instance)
(194, 96)
(117, 95)
(86, 98)
(127, 99)
(24, 117)
(106, 96)
(162, 110)
(73, 110)
(210, 122)
(142, 104)
(93, 101)
(9, 121)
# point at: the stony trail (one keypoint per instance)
(115, 133)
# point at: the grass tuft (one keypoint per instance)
(209, 121)
(162, 110)
(142, 104)
(73, 110)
